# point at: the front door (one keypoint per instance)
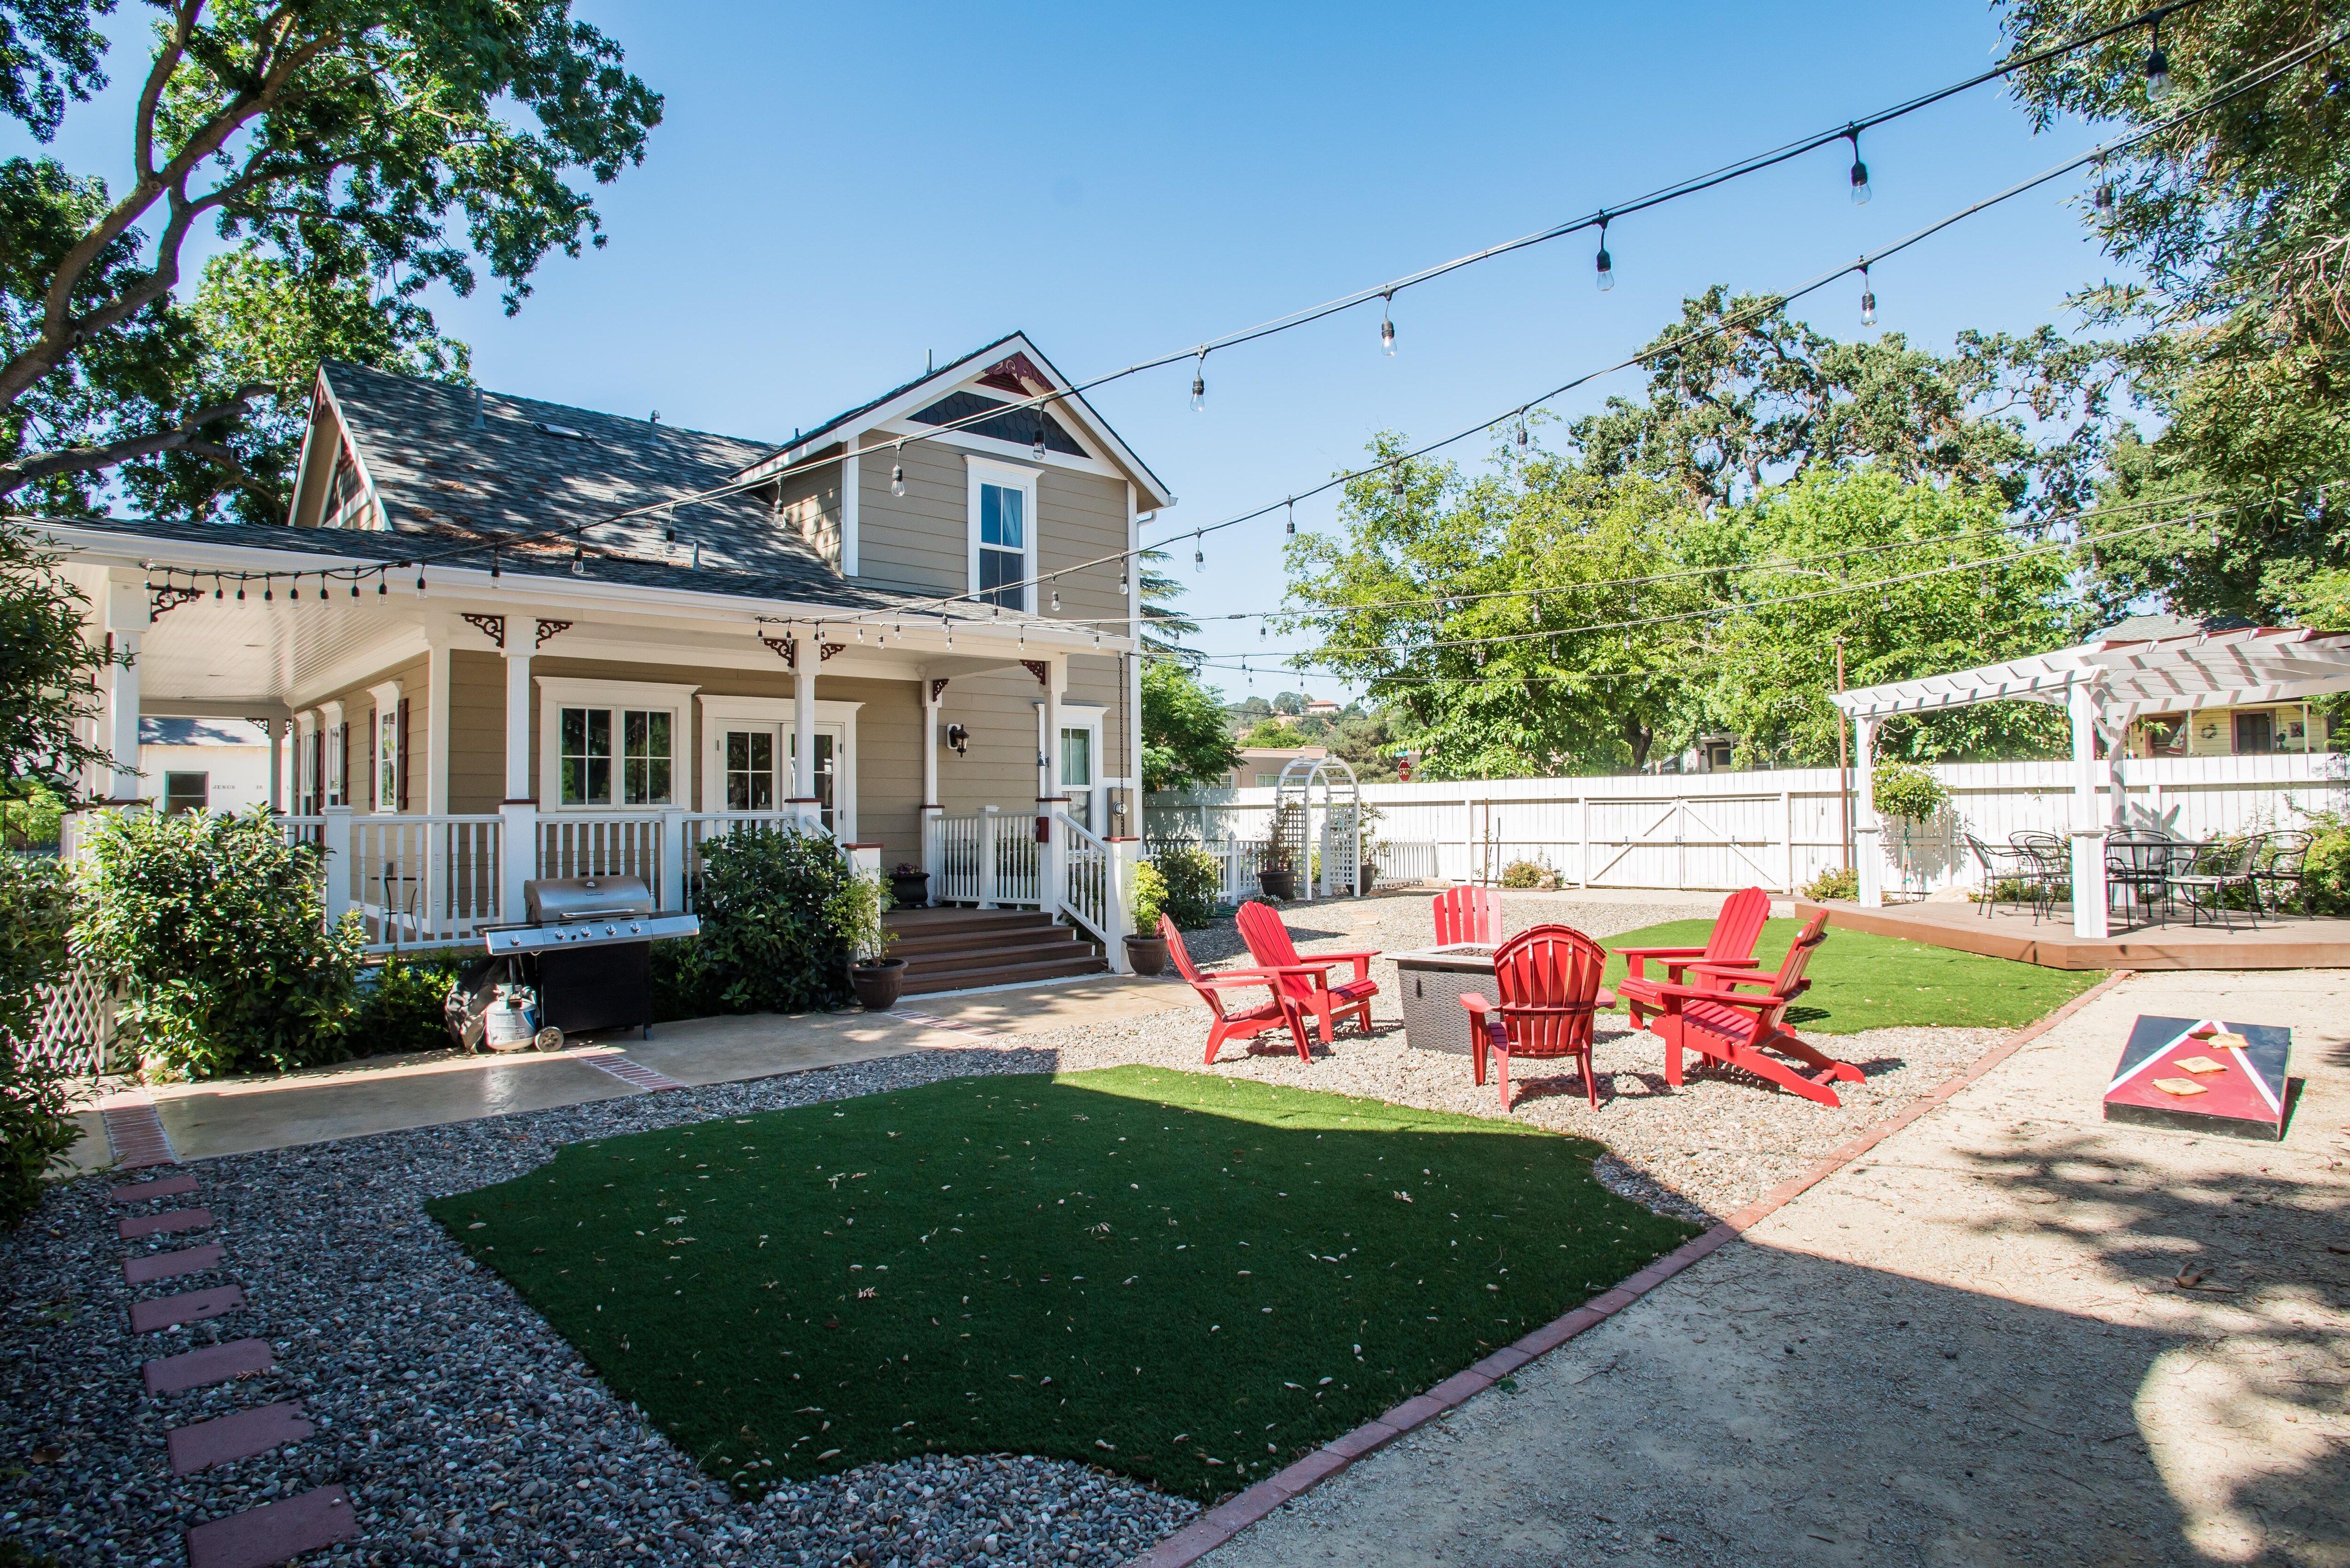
(750, 767)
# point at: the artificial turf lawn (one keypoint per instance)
(1187, 1278)
(1863, 980)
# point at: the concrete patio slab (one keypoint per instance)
(235, 1118)
(2009, 1334)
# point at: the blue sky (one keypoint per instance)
(836, 191)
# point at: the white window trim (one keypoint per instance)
(718, 712)
(981, 471)
(556, 692)
(383, 730)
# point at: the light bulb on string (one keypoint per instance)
(1125, 585)
(383, 584)
(1057, 601)
(1199, 384)
(1386, 324)
(294, 589)
(1521, 430)
(216, 584)
(1037, 449)
(1292, 517)
(2157, 66)
(420, 579)
(494, 565)
(269, 590)
(1867, 298)
(578, 561)
(1602, 262)
(1397, 487)
(240, 588)
(2105, 199)
(355, 585)
(1860, 192)
(896, 479)
(1198, 555)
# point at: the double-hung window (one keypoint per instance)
(1003, 532)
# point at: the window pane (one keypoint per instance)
(998, 568)
(1077, 759)
(586, 759)
(645, 758)
(1003, 517)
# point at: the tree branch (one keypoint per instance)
(183, 437)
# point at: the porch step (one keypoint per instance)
(953, 950)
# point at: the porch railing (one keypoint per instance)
(601, 846)
(414, 881)
(1236, 862)
(988, 858)
(1088, 894)
(702, 828)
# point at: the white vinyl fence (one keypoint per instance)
(1777, 830)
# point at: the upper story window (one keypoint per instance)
(1003, 532)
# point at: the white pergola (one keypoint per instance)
(2103, 685)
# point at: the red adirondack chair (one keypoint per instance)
(1737, 1029)
(1549, 980)
(1730, 946)
(1306, 981)
(1274, 1014)
(1467, 914)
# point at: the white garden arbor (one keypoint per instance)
(1317, 813)
(2147, 666)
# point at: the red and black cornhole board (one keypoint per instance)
(2246, 1099)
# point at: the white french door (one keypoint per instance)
(750, 760)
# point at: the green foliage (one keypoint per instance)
(1907, 793)
(2231, 225)
(1149, 898)
(1773, 666)
(1194, 883)
(348, 157)
(983, 1296)
(48, 672)
(1163, 626)
(1523, 874)
(1835, 882)
(36, 915)
(217, 926)
(1277, 733)
(771, 939)
(31, 814)
(401, 1005)
(2325, 872)
(854, 915)
(1184, 737)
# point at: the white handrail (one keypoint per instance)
(1087, 897)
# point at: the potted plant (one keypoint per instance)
(1277, 865)
(1146, 949)
(909, 887)
(855, 914)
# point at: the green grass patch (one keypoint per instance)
(1863, 980)
(1190, 1279)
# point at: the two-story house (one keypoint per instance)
(570, 642)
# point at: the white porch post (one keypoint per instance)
(1867, 853)
(277, 728)
(2088, 834)
(126, 622)
(932, 810)
(805, 658)
(438, 664)
(336, 839)
(1050, 805)
(672, 891)
(990, 821)
(519, 812)
(308, 791)
(1124, 854)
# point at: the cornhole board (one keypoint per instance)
(2245, 1098)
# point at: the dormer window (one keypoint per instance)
(1003, 532)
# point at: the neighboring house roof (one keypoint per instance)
(199, 732)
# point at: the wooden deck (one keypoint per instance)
(2283, 941)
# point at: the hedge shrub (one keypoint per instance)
(37, 912)
(216, 927)
(1195, 885)
(769, 940)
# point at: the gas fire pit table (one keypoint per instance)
(1432, 980)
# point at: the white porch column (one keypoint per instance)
(437, 697)
(277, 729)
(309, 791)
(336, 839)
(1125, 854)
(806, 655)
(2088, 833)
(1050, 803)
(932, 809)
(1867, 854)
(518, 779)
(126, 622)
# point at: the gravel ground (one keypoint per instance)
(468, 1432)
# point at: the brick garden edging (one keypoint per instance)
(1235, 1514)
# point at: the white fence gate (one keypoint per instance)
(1776, 829)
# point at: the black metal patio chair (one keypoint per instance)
(2137, 866)
(2000, 867)
(2214, 869)
(2278, 866)
(2051, 860)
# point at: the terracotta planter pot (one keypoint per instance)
(877, 984)
(910, 889)
(1146, 955)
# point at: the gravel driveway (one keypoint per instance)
(468, 1432)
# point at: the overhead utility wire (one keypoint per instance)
(1693, 185)
(2263, 73)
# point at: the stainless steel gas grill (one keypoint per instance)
(586, 952)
